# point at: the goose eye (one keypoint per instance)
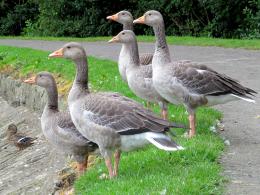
(123, 13)
(150, 14)
(123, 33)
(68, 47)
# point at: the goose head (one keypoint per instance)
(42, 79)
(121, 17)
(12, 129)
(150, 18)
(125, 36)
(72, 50)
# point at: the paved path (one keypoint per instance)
(242, 127)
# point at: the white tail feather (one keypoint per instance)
(244, 98)
(150, 137)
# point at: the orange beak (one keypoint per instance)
(140, 20)
(113, 17)
(114, 40)
(57, 54)
(31, 80)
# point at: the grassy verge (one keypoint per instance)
(149, 171)
(185, 40)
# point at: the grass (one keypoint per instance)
(184, 40)
(149, 171)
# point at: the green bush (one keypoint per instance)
(78, 18)
(14, 14)
(250, 28)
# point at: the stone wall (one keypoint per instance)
(17, 93)
(33, 170)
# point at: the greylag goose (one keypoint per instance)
(139, 77)
(58, 127)
(188, 83)
(126, 19)
(19, 140)
(114, 122)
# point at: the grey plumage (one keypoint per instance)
(209, 82)
(68, 131)
(123, 114)
(126, 19)
(114, 122)
(57, 126)
(186, 82)
(139, 77)
(197, 84)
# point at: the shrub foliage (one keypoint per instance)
(82, 18)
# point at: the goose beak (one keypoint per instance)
(113, 17)
(31, 80)
(114, 40)
(140, 20)
(56, 54)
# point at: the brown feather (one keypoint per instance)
(146, 58)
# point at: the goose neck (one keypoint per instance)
(81, 78)
(161, 47)
(132, 48)
(80, 84)
(52, 93)
(128, 26)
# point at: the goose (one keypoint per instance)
(58, 127)
(19, 140)
(188, 83)
(126, 19)
(116, 123)
(139, 77)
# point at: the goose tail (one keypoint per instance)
(246, 98)
(163, 142)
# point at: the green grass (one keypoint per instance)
(184, 40)
(149, 171)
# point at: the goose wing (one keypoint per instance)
(122, 114)
(146, 58)
(68, 132)
(202, 80)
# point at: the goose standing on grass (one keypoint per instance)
(126, 19)
(115, 122)
(139, 77)
(58, 127)
(188, 83)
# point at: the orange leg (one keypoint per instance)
(109, 167)
(164, 114)
(117, 159)
(82, 167)
(164, 110)
(192, 119)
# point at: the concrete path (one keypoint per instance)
(241, 161)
